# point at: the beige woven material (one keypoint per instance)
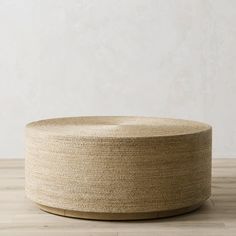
(118, 166)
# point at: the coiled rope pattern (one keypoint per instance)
(118, 165)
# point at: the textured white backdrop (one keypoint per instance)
(117, 57)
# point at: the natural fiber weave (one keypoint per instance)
(117, 165)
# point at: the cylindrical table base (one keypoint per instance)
(119, 216)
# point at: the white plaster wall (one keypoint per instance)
(117, 57)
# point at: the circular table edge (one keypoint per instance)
(119, 216)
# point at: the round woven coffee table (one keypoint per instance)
(118, 168)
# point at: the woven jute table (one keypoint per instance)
(118, 168)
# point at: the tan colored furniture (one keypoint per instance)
(118, 168)
(20, 217)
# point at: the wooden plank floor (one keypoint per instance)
(19, 216)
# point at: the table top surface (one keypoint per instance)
(117, 127)
(19, 216)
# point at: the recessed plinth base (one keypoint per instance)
(119, 216)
